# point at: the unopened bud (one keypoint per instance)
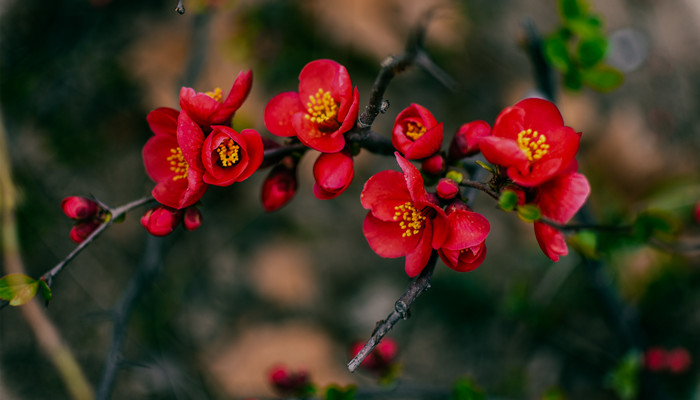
(279, 187)
(447, 189)
(77, 207)
(161, 220)
(434, 165)
(192, 218)
(83, 229)
(466, 141)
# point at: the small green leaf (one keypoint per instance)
(557, 53)
(455, 176)
(45, 290)
(573, 8)
(584, 242)
(508, 200)
(573, 80)
(603, 78)
(592, 50)
(120, 219)
(529, 213)
(465, 389)
(624, 379)
(484, 166)
(586, 28)
(18, 288)
(335, 392)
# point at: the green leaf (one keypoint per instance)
(465, 389)
(508, 200)
(45, 290)
(529, 212)
(455, 176)
(335, 392)
(624, 379)
(586, 28)
(573, 80)
(585, 242)
(18, 288)
(655, 223)
(573, 8)
(592, 50)
(557, 53)
(603, 78)
(484, 166)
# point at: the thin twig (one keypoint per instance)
(401, 311)
(580, 227)
(480, 186)
(115, 215)
(148, 270)
(372, 142)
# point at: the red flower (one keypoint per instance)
(559, 199)
(77, 207)
(161, 220)
(321, 112)
(655, 359)
(333, 173)
(531, 142)
(403, 220)
(229, 156)
(280, 186)
(466, 141)
(208, 108)
(416, 133)
(464, 248)
(678, 360)
(178, 179)
(192, 218)
(290, 383)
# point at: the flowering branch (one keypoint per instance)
(480, 186)
(401, 311)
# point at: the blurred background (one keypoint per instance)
(249, 290)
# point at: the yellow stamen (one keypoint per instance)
(532, 144)
(216, 94)
(414, 130)
(178, 164)
(321, 108)
(228, 152)
(410, 219)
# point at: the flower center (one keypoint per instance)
(414, 130)
(215, 94)
(410, 219)
(532, 144)
(228, 153)
(322, 109)
(178, 164)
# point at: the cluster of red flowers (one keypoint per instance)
(194, 148)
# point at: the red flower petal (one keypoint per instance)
(309, 134)
(466, 229)
(551, 241)
(541, 114)
(505, 152)
(347, 112)
(417, 259)
(414, 180)
(182, 192)
(254, 150)
(333, 173)
(383, 192)
(561, 198)
(279, 112)
(163, 121)
(155, 155)
(190, 138)
(426, 145)
(200, 106)
(215, 173)
(324, 74)
(236, 96)
(385, 237)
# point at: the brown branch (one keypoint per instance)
(580, 227)
(401, 311)
(480, 186)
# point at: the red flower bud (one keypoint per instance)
(380, 359)
(290, 383)
(83, 229)
(416, 133)
(333, 173)
(678, 360)
(279, 187)
(161, 220)
(447, 189)
(655, 359)
(77, 207)
(466, 141)
(434, 165)
(192, 218)
(696, 214)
